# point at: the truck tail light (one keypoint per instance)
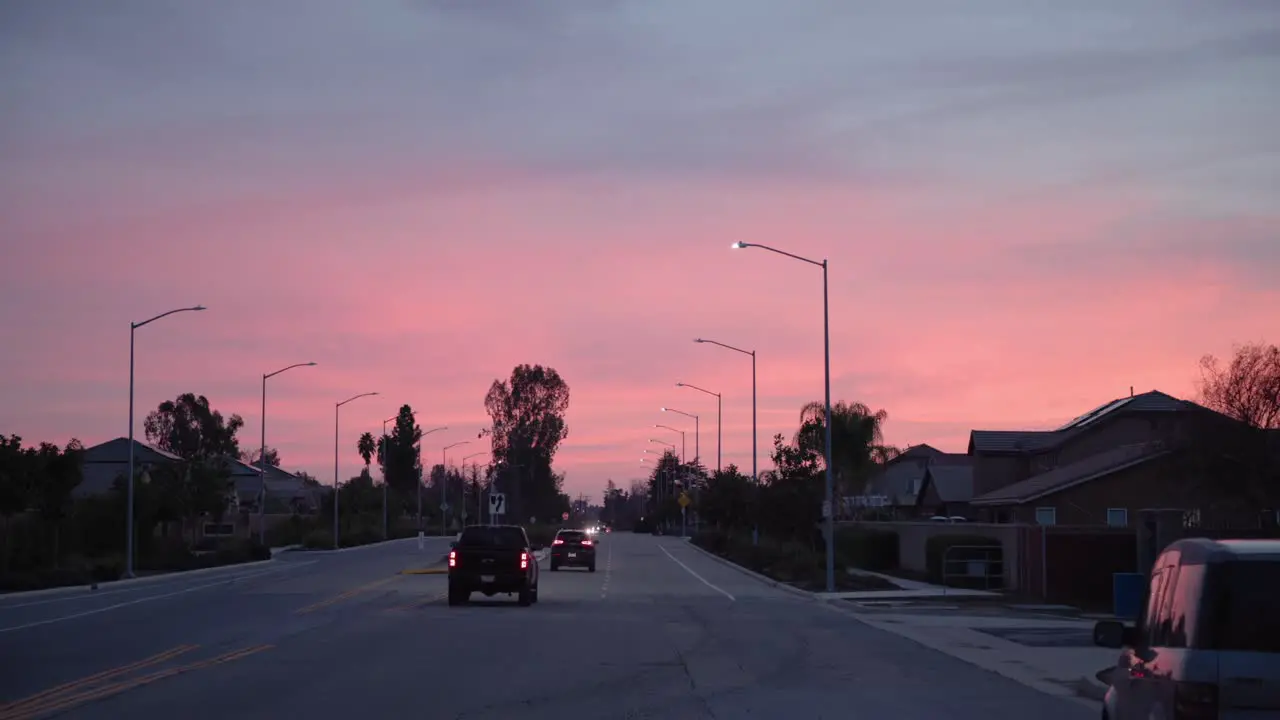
(453, 558)
(524, 561)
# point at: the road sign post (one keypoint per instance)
(497, 506)
(684, 507)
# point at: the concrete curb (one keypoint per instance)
(354, 548)
(762, 578)
(130, 582)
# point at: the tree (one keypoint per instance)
(58, 473)
(1248, 389)
(367, 448)
(857, 438)
(189, 428)
(528, 424)
(401, 463)
(791, 494)
(1234, 449)
(255, 456)
(728, 500)
(15, 489)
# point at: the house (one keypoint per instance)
(286, 492)
(105, 463)
(1127, 455)
(895, 490)
(947, 486)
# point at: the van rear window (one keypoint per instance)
(1244, 607)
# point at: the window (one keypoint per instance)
(497, 537)
(1046, 516)
(1117, 517)
(1149, 629)
(1184, 595)
(1242, 614)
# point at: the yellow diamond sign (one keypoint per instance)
(684, 500)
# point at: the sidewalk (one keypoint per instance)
(1053, 655)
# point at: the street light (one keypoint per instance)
(683, 444)
(826, 343)
(697, 431)
(262, 454)
(128, 530)
(419, 493)
(336, 408)
(444, 485)
(755, 478)
(719, 417)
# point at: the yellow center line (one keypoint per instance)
(59, 704)
(67, 687)
(345, 596)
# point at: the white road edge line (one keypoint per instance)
(139, 601)
(691, 572)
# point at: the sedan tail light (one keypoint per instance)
(453, 558)
(557, 541)
(524, 561)
(586, 543)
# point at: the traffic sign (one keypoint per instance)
(684, 500)
(564, 516)
(497, 504)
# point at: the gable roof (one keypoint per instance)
(897, 480)
(1077, 473)
(952, 479)
(117, 451)
(1018, 441)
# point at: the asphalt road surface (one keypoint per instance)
(659, 631)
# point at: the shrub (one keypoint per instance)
(967, 548)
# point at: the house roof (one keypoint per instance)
(1014, 441)
(1061, 478)
(952, 479)
(896, 481)
(117, 451)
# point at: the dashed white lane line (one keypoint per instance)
(696, 575)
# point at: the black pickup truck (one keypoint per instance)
(493, 559)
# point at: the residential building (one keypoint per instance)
(1140, 452)
(105, 463)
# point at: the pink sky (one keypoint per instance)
(1025, 214)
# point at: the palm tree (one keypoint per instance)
(367, 448)
(856, 435)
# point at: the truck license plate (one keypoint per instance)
(573, 555)
(486, 578)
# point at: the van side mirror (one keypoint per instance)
(1113, 634)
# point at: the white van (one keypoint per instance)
(1207, 645)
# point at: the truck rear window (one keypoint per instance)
(1244, 606)
(498, 537)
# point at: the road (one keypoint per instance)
(659, 631)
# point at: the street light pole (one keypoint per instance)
(683, 444)
(336, 408)
(262, 455)
(444, 486)
(755, 477)
(829, 503)
(697, 431)
(719, 417)
(479, 499)
(419, 493)
(128, 523)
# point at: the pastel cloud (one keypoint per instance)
(1027, 210)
